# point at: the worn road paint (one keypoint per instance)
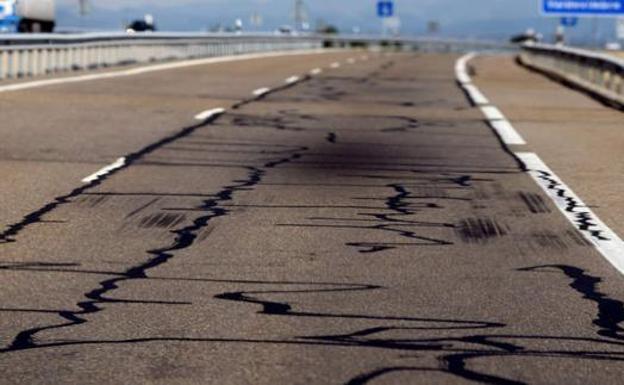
(608, 243)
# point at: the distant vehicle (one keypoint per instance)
(27, 16)
(530, 36)
(286, 30)
(145, 25)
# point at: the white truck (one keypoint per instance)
(27, 16)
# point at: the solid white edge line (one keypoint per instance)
(261, 91)
(507, 133)
(316, 71)
(150, 68)
(476, 95)
(105, 171)
(292, 79)
(205, 115)
(493, 115)
(606, 241)
(461, 68)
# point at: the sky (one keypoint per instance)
(493, 19)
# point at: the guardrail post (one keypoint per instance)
(35, 61)
(24, 63)
(15, 59)
(4, 63)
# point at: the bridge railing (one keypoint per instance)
(600, 74)
(25, 55)
(34, 55)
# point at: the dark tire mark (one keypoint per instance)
(534, 202)
(480, 230)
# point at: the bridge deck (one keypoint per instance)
(363, 226)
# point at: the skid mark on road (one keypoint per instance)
(480, 230)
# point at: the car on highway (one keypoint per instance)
(145, 25)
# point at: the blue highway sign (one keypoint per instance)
(583, 7)
(569, 21)
(385, 8)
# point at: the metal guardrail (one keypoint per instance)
(34, 55)
(426, 44)
(598, 73)
(25, 55)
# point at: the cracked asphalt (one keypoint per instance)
(361, 226)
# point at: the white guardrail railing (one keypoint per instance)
(26, 55)
(34, 55)
(600, 74)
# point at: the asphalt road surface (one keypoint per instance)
(361, 226)
(574, 134)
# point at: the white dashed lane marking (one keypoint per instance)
(119, 163)
(261, 91)
(204, 115)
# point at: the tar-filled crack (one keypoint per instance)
(584, 219)
(610, 314)
(401, 207)
(13, 230)
(455, 351)
(185, 237)
(395, 217)
(288, 120)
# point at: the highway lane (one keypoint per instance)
(361, 227)
(54, 136)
